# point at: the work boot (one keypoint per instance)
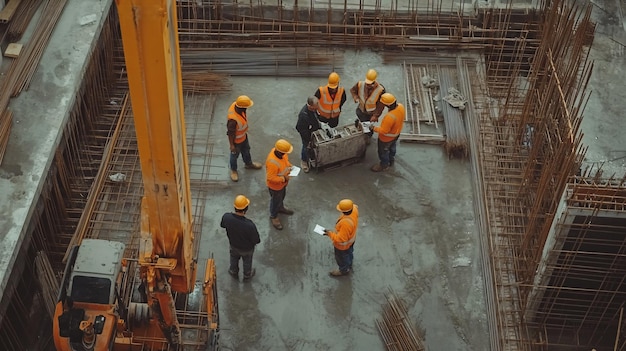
(338, 273)
(248, 276)
(305, 166)
(253, 165)
(378, 168)
(234, 175)
(233, 274)
(276, 223)
(285, 210)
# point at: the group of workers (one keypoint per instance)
(371, 97)
(323, 107)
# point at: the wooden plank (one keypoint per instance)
(8, 11)
(13, 50)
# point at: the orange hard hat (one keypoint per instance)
(387, 99)
(333, 80)
(370, 77)
(241, 202)
(243, 101)
(345, 205)
(283, 146)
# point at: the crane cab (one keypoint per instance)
(86, 312)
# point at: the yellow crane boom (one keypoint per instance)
(151, 51)
(90, 313)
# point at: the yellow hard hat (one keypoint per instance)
(241, 202)
(345, 205)
(283, 146)
(370, 77)
(387, 99)
(333, 80)
(243, 101)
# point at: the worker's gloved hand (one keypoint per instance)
(326, 231)
(374, 119)
(233, 149)
(286, 176)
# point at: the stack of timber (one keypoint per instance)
(23, 67)
(6, 118)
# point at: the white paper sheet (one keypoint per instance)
(294, 171)
(319, 229)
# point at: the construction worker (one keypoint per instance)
(344, 236)
(237, 131)
(307, 123)
(331, 99)
(367, 94)
(277, 168)
(242, 236)
(388, 132)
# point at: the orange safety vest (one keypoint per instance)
(391, 125)
(275, 169)
(346, 224)
(368, 103)
(242, 124)
(327, 106)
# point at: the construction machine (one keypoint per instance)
(91, 313)
(339, 146)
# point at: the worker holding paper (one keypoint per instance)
(277, 171)
(344, 236)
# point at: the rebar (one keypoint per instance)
(48, 281)
(420, 105)
(290, 62)
(395, 328)
(456, 137)
(527, 139)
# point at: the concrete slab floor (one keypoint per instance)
(604, 123)
(39, 117)
(417, 235)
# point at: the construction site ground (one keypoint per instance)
(417, 232)
(416, 235)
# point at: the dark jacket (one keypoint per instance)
(241, 231)
(307, 122)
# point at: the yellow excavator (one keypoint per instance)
(90, 313)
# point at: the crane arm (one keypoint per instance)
(150, 40)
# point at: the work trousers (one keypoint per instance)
(276, 201)
(344, 259)
(387, 152)
(243, 149)
(304, 153)
(245, 256)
